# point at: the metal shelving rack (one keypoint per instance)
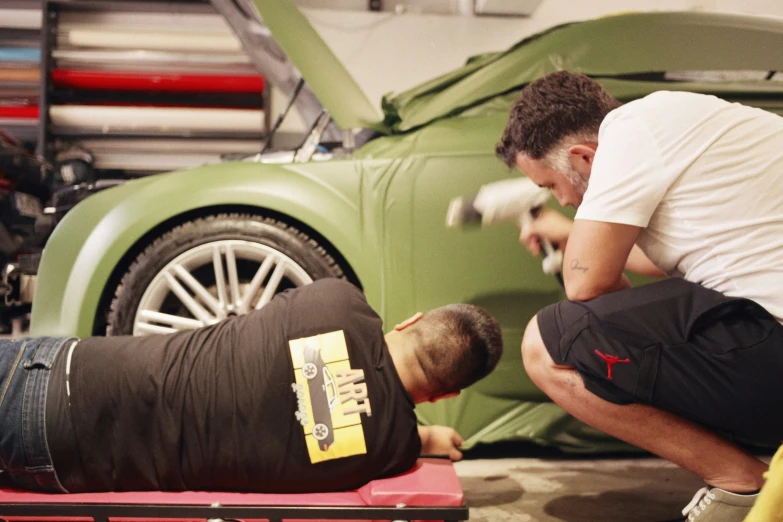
(51, 138)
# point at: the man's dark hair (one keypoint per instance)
(458, 345)
(552, 107)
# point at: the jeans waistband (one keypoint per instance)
(34, 423)
(37, 363)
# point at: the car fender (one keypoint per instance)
(92, 239)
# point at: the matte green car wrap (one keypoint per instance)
(622, 45)
(616, 46)
(79, 260)
(383, 209)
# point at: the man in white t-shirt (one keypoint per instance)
(678, 184)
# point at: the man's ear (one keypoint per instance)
(409, 321)
(581, 158)
(444, 396)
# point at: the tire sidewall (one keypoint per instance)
(278, 236)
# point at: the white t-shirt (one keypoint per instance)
(704, 177)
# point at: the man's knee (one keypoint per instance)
(535, 357)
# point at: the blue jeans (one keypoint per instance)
(25, 366)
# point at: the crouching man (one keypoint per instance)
(677, 184)
(305, 395)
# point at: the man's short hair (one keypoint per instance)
(458, 345)
(551, 108)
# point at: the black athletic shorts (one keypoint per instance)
(680, 347)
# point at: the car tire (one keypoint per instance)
(263, 232)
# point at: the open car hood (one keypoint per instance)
(623, 47)
(335, 88)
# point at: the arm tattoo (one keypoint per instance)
(575, 266)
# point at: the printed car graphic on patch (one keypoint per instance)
(323, 395)
(331, 397)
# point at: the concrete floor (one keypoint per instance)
(550, 487)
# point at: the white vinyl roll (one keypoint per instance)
(159, 162)
(156, 57)
(174, 18)
(140, 145)
(20, 18)
(116, 38)
(159, 119)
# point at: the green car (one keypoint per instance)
(365, 196)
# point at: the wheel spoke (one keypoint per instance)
(233, 278)
(220, 280)
(197, 288)
(273, 284)
(198, 311)
(255, 284)
(173, 322)
(146, 328)
(247, 275)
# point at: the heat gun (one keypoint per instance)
(516, 200)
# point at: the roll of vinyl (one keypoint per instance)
(10, 123)
(18, 94)
(159, 58)
(155, 81)
(159, 162)
(162, 154)
(164, 119)
(167, 67)
(19, 38)
(20, 54)
(22, 112)
(175, 17)
(20, 74)
(116, 38)
(142, 146)
(20, 18)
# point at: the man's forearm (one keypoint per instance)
(585, 292)
(637, 263)
(424, 435)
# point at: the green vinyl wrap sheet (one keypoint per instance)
(619, 46)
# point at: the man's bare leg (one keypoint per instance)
(720, 463)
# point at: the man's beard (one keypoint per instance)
(559, 162)
(573, 177)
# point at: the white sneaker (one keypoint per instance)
(718, 505)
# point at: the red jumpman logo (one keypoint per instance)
(611, 360)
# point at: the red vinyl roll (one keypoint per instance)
(24, 112)
(152, 81)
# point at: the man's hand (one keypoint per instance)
(440, 440)
(550, 224)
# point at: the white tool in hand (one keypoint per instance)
(516, 200)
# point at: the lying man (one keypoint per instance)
(304, 395)
(677, 183)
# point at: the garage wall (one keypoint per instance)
(390, 52)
